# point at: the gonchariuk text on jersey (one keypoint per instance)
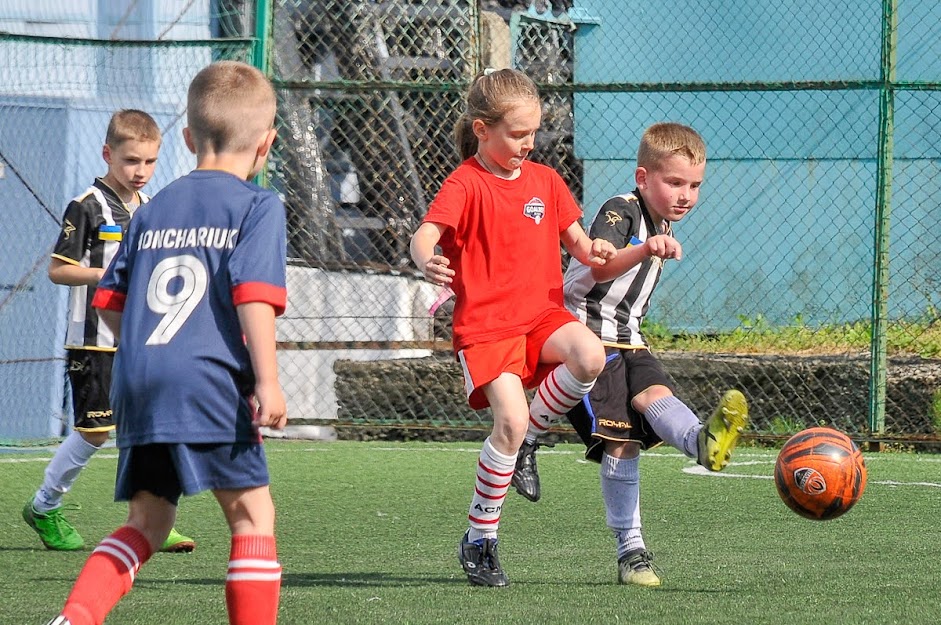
(175, 238)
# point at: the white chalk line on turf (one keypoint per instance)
(698, 470)
(549, 451)
(47, 458)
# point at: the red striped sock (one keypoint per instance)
(107, 576)
(494, 472)
(253, 583)
(557, 394)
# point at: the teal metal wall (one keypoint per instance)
(786, 95)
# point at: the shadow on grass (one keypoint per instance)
(303, 580)
(361, 579)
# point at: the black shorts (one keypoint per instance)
(606, 413)
(90, 376)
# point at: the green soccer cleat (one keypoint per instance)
(55, 532)
(635, 568)
(720, 434)
(178, 543)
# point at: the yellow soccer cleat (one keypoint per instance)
(720, 434)
(178, 543)
(635, 568)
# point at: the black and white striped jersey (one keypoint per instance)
(92, 228)
(614, 310)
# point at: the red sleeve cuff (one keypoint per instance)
(109, 300)
(261, 292)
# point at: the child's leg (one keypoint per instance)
(498, 456)
(620, 489)
(70, 458)
(90, 377)
(109, 572)
(711, 443)
(43, 512)
(477, 550)
(670, 418)
(581, 357)
(253, 583)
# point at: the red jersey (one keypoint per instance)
(503, 241)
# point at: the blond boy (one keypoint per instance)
(92, 229)
(633, 403)
(194, 291)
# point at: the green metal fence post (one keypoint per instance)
(880, 274)
(260, 59)
(262, 35)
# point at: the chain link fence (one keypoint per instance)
(64, 70)
(809, 280)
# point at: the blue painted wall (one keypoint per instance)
(54, 147)
(784, 227)
(55, 103)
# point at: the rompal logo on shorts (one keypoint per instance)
(535, 209)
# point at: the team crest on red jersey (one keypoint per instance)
(535, 209)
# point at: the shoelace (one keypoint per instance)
(488, 554)
(643, 560)
(59, 520)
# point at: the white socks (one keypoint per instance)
(620, 489)
(675, 424)
(62, 471)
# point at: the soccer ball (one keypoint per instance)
(820, 473)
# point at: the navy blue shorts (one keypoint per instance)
(606, 413)
(169, 470)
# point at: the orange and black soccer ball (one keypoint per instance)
(820, 473)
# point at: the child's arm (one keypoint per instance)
(257, 322)
(594, 253)
(61, 272)
(661, 245)
(112, 319)
(422, 247)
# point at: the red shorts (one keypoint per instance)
(484, 362)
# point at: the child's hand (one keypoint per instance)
(270, 410)
(436, 270)
(601, 252)
(664, 246)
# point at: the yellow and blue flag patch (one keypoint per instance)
(109, 233)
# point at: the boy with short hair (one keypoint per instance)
(92, 229)
(194, 290)
(632, 404)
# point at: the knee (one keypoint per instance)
(507, 437)
(588, 362)
(642, 401)
(624, 450)
(95, 438)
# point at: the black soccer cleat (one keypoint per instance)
(526, 476)
(480, 562)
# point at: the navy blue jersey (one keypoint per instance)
(203, 245)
